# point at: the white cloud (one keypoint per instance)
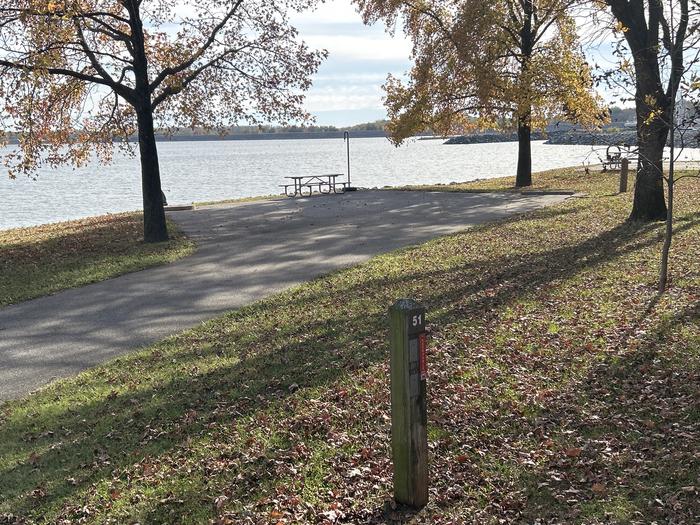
(356, 78)
(331, 12)
(359, 48)
(349, 82)
(348, 97)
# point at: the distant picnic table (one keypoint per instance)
(615, 153)
(305, 184)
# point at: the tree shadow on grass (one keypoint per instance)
(84, 235)
(621, 442)
(53, 452)
(512, 276)
(91, 439)
(635, 419)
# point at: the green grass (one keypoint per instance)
(279, 412)
(43, 260)
(240, 200)
(569, 179)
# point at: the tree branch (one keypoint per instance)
(120, 89)
(197, 54)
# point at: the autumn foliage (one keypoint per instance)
(78, 75)
(487, 64)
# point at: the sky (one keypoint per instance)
(347, 87)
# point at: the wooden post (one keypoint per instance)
(624, 172)
(409, 436)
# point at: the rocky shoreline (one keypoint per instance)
(589, 138)
(570, 138)
(486, 138)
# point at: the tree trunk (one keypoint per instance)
(523, 177)
(652, 107)
(154, 226)
(668, 237)
(649, 203)
(652, 132)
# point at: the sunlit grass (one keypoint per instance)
(43, 260)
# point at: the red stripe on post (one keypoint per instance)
(422, 344)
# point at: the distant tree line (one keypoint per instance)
(377, 125)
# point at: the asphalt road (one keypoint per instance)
(246, 252)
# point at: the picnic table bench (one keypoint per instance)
(614, 155)
(307, 183)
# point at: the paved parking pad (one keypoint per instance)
(246, 251)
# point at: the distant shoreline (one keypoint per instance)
(568, 138)
(488, 138)
(282, 135)
(559, 137)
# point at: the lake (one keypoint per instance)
(196, 171)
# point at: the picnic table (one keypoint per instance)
(614, 155)
(306, 183)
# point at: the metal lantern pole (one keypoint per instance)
(346, 138)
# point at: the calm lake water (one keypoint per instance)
(203, 171)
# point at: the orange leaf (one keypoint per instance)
(598, 488)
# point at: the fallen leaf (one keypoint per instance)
(598, 488)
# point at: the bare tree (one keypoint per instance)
(657, 49)
(682, 127)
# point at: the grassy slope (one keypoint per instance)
(239, 200)
(561, 388)
(42, 260)
(559, 179)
